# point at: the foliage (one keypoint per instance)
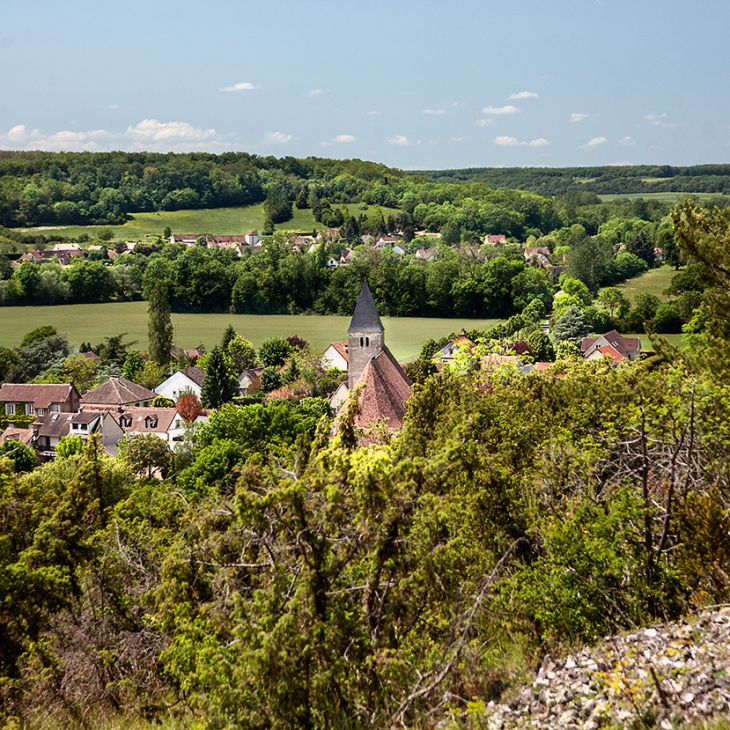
(274, 352)
(188, 406)
(160, 401)
(22, 456)
(241, 353)
(146, 454)
(571, 326)
(219, 385)
(160, 324)
(69, 446)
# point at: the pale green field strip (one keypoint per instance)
(216, 221)
(654, 281)
(93, 322)
(663, 197)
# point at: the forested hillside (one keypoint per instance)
(615, 179)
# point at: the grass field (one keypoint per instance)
(663, 197)
(93, 322)
(654, 281)
(217, 221)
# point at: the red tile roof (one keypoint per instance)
(24, 435)
(341, 348)
(386, 390)
(626, 346)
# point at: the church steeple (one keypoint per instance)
(365, 336)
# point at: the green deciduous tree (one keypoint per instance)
(220, 385)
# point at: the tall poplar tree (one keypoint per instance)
(219, 386)
(159, 324)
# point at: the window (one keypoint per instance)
(28, 409)
(41, 412)
(55, 408)
(10, 409)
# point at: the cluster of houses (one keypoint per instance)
(115, 409)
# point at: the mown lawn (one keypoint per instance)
(93, 322)
(654, 281)
(663, 197)
(216, 221)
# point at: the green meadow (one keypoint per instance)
(93, 322)
(654, 281)
(216, 221)
(663, 197)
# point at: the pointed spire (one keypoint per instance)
(365, 317)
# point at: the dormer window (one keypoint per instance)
(150, 422)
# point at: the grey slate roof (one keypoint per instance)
(117, 391)
(365, 317)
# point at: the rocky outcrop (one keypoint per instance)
(664, 676)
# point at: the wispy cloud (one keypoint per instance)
(457, 139)
(578, 117)
(399, 139)
(505, 141)
(318, 92)
(658, 120)
(627, 141)
(17, 134)
(484, 122)
(500, 110)
(277, 138)
(594, 143)
(433, 111)
(150, 130)
(243, 86)
(524, 95)
(372, 114)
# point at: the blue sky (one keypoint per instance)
(411, 84)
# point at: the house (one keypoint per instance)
(541, 253)
(399, 251)
(346, 256)
(184, 380)
(23, 435)
(73, 248)
(51, 431)
(426, 254)
(249, 381)
(38, 400)
(252, 238)
(448, 351)
(494, 240)
(166, 423)
(193, 354)
(335, 356)
(189, 239)
(332, 263)
(117, 391)
(374, 374)
(384, 241)
(625, 348)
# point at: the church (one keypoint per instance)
(382, 386)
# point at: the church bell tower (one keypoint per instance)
(365, 336)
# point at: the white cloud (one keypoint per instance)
(622, 163)
(371, 114)
(577, 117)
(433, 111)
(339, 139)
(524, 95)
(485, 122)
(399, 139)
(243, 86)
(457, 139)
(18, 133)
(150, 130)
(627, 141)
(500, 110)
(505, 141)
(149, 134)
(593, 143)
(277, 138)
(318, 92)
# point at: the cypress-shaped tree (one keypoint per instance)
(228, 335)
(219, 386)
(159, 324)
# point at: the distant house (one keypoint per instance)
(185, 379)
(494, 240)
(615, 346)
(252, 238)
(332, 263)
(166, 423)
(193, 354)
(384, 241)
(38, 400)
(118, 391)
(447, 353)
(399, 251)
(427, 254)
(540, 253)
(249, 381)
(346, 256)
(23, 435)
(335, 356)
(73, 248)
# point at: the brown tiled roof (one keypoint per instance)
(56, 425)
(24, 435)
(162, 419)
(117, 391)
(624, 345)
(610, 352)
(341, 348)
(40, 395)
(386, 390)
(194, 373)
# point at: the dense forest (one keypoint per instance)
(611, 180)
(283, 576)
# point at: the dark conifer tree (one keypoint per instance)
(159, 324)
(219, 386)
